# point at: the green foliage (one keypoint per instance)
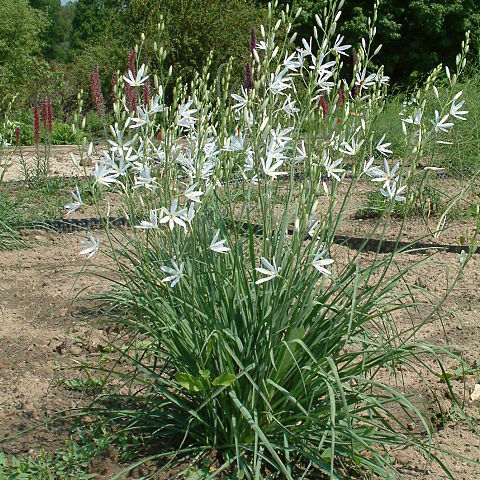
(30, 204)
(68, 462)
(53, 37)
(21, 28)
(104, 33)
(193, 28)
(90, 20)
(416, 34)
(62, 134)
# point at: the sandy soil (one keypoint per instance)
(60, 161)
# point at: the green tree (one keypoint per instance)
(21, 27)
(90, 21)
(53, 35)
(416, 34)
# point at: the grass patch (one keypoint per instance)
(33, 202)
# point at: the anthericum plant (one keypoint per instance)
(249, 333)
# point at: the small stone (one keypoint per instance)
(476, 393)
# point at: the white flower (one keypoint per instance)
(331, 169)
(156, 106)
(338, 47)
(441, 124)
(323, 83)
(104, 175)
(153, 223)
(280, 136)
(262, 45)
(124, 160)
(288, 106)
(352, 148)
(174, 216)
(76, 203)
(388, 175)
(292, 62)
(270, 168)
(383, 147)
(192, 194)
(364, 81)
(271, 271)
(142, 119)
(190, 215)
(301, 152)
(218, 246)
(92, 245)
(393, 192)
(175, 273)
(455, 108)
(242, 100)
(371, 170)
(312, 227)
(249, 163)
(306, 50)
(320, 263)
(279, 82)
(139, 80)
(383, 79)
(145, 179)
(413, 121)
(236, 143)
(185, 115)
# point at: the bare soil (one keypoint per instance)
(60, 161)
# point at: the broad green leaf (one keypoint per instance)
(226, 379)
(188, 382)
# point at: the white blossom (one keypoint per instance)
(152, 223)
(441, 124)
(174, 274)
(218, 246)
(383, 147)
(76, 202)
(174, 216)
(104, 175)
(319, 262)
(392, 191)
(269, 269)
(92, 245)
(139, 79)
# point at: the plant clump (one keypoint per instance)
(257, 341)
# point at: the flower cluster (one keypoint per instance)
(96, 89)
(36, 123)
(267, 143)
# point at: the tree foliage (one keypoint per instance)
(416, 34)
(53, 36)
(21, 27)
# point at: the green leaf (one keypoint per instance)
(188, 382)
(226, 379)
